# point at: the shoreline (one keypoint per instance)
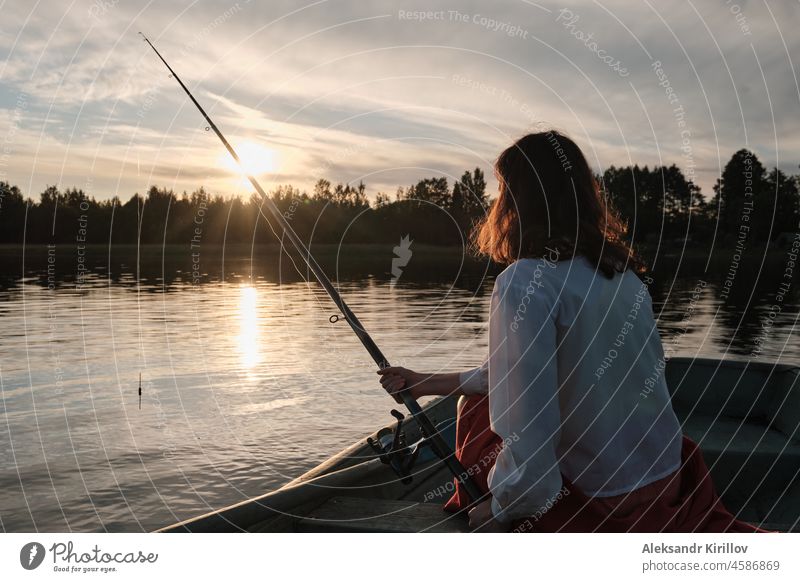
(351, 260)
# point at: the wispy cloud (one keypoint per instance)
(387, 92)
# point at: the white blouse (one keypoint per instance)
(576, 386)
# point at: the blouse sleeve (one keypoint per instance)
(523, 399)
(475, 381)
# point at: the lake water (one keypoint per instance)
(246, 384)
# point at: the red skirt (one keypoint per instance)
(685, 501)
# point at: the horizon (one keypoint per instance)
(705, 196)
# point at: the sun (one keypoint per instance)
(255, 160)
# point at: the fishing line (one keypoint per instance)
(428, 430)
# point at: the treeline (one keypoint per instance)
(751, 206)
(431, 209)
(658, 203)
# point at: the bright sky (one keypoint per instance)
(350, 90)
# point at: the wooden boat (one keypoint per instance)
(744, 415)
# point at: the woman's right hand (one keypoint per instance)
(395, 380)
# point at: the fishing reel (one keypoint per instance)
(391, 448)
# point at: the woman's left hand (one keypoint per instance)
(482, 520)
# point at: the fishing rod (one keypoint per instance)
(429, 432)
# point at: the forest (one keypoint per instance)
(659, 204)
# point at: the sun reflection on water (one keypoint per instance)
(248, 327)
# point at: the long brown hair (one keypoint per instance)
(549, 200)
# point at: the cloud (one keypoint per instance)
(388, 92)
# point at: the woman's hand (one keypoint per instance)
(395, 379)
(482, 520)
